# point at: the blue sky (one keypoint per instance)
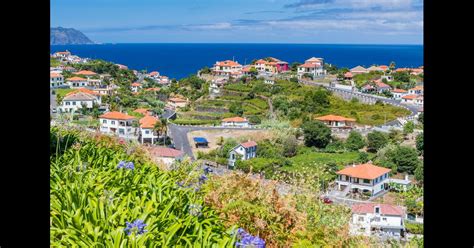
(243, 21)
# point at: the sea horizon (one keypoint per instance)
(178, 60)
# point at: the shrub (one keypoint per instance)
(414, 228)
(376, 140)
(355, 141)
(316, 134)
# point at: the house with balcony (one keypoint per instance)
(77, 100)
(363, 178)
(56, 80)
(313, 66)
(147, 126)
(243, 151)
(419, 100)
(371, 218)
(227, 68)
(336, 121)
(86, 73)
(117, 123)
(235, 122)
(381, 86)
(271, 65)
(77, 82)
(62, 55)
(398, 93)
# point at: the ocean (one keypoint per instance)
(178, 60)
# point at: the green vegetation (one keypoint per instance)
(60, 93)
(316, 134)
(92, 199)
(54, 62)
(415, 228)
(376, 140)
(355, 141)
(196, 122)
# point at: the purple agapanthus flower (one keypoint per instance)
(137, 227)
(130, 166)
(202, 178)
(121, 164)
(207, 170)
(247, 240)
(127, 165)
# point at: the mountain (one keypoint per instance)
(68, 36)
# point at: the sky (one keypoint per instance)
(243, 21)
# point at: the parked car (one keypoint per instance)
(326, 200)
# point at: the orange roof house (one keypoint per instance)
(136, 84)
(385, 209)
(83, 90)
(235, 119)
(248, 144)
(364, 171)
(399, 91)
(227, 63)
(148, 121)
(114, 115)
(336, 121)
(409, 97)
(76, 79)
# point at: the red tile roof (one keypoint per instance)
(114, 115)
(165, 152)
(142, 111)
(381, 84)
(153, 73)
(334, 118)
(248, 144)
(399, 91)
(364, 171)
(76, 79)
(410, 97)
(84, 90)
(348, 74)
(136, 84)
(153, 89)
(148, 121)
(309, 65)
(227, 63)
(54, 74)
(385, 209)
(235, 119)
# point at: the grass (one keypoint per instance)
(54, 62)
(63, 92)
(309, 159)
(181, 121)
(238, 87)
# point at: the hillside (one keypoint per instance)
(68, 36)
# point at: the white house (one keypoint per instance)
(136, 87)
(419, 100)
(389, 78)
(117, 123)
(86, 73)
(165, 155)
(363, 178)
(235, 122)
(398, 93)
(77, 82)
(243, 151)
(381, 86)
(56, 80)
(370, 218)
(62, 55)
(313, 66)
(409, 99)
(227, 68)
(77, 100)
(418, 90)
(335, 121)
(147, 124)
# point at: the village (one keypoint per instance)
(362, 128)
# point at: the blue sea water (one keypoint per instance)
(178, 60)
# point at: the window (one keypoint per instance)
(147, 132)
(104, 121)
(361, 218)
(377, 210)
(384, 219)
(366, 181)
(113, 123)
(73, 103)
(381, 186)
(68, 103)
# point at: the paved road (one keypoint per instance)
(52, 101)
(179, 135)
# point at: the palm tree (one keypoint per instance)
(157, 128)
(392, 66)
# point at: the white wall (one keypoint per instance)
(235, 124)
(68, 106)
(107, 124)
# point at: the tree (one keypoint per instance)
(294, 66)
(395, 136)
(253, 71)
(316, 134)
(355, 141)
(401, 76)
(419, 143)
(164, 128)
(308, 75)
(290, 145)
(363, 157)
(255, 119)
(420, 118)
(236, 109)
(376, 140)
(408, 128)
(406, 159)
(419, 174)
(228, 145)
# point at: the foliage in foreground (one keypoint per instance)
(93, 201)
